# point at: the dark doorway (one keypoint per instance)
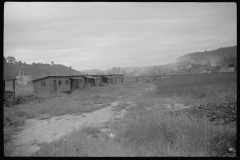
(54, 85)
(77, 83)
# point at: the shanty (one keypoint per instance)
(10, 92)
(67, 84)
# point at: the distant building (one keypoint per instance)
(22, 79)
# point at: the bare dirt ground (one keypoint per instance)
(36, 131)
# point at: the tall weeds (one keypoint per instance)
(163, 134)
(203, 88)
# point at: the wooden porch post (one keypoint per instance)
(14, 92)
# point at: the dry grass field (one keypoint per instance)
(148, 128)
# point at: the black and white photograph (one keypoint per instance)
(119, 79)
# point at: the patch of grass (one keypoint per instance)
(155, 132)
(151, 133)
(80, 101)
(11, 117)
(162, 134)
(121, 106)
(23, 90)
(94, 131)
(199, 88)
(82, 144)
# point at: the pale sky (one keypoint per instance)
(102, 35)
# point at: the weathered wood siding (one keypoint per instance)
(81, 82)
(98, 80)
(117, 79)
(85, 81)
(63, 87)
(49, 85)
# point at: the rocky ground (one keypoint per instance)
(219, 114)
(222, 113)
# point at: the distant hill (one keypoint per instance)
(221, 57)
(127, 71)
(197, 62)
(94, 72)
(172, 68)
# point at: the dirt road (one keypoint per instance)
(37, 131)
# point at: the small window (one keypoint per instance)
(60, 82)
(43, 83)
(67, 81)
(80, 80)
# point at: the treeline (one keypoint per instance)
(36, 70)
(221, 56)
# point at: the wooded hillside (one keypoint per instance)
(36, 70)
(221, 57)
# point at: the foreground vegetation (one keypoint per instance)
(148, 133)
(200, 88)
(149, 128)
(80, 101)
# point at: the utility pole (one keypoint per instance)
(70, 70)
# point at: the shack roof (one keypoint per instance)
(74, 77)
(107, 77)
(8, 78)
(90, 77)
(56, 77)
(116, 74)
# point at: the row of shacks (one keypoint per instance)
(56, 84)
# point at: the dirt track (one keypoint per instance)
(37, 131)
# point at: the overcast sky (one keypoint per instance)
(102, 35)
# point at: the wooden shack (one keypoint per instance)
(90, 80)
(77, 82)
(116, 79)
(52, 84)
(106, 79)
(9, 93)
(98, 79)
(56, 84)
